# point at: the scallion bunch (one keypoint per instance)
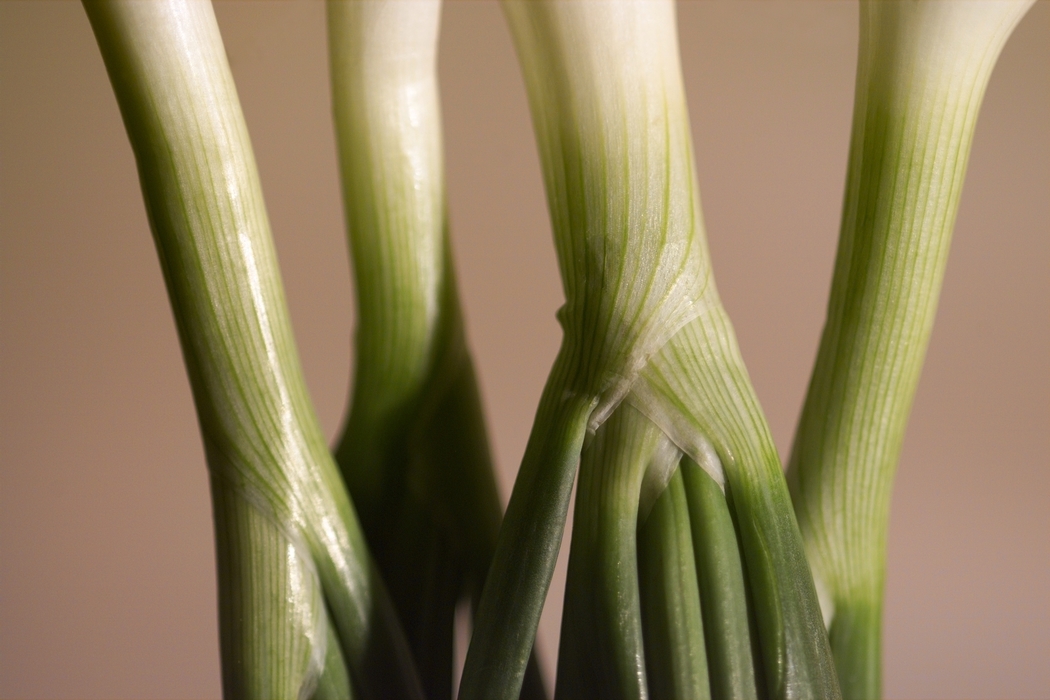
(302, 608)
(689, 576)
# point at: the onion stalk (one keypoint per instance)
(689, 575)
(922, 71)
(414, 450)
(644, 331)
(302, 607)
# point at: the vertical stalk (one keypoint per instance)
(529, 539)
(922, 72)
(675, 654)
(720, 575)
(642, 321)
(388, 129)
(601, 651)
(414, 450)
(607, 104)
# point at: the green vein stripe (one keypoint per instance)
(922, 70)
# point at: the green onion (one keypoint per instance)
(414, 451)
(601, 650)
(688, 572)
(922, 72)
(299, 596)
(720, 572)
(675, 653)
(642, 322)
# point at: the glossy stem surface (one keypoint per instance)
(291, 557)
(675, 653)
(723, 591)
(414, 450)
(601, 652)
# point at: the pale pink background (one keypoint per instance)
(106, 558)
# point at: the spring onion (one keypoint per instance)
(301, 604)
(414, 451)
(922, 72)
(689, 575)
(643, 330)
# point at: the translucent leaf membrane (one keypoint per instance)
(681, 581)
(642, 322)
(696, 389)
(414, 450)
(921, 75)
(605, 91)
(293, 566)
(633, 573)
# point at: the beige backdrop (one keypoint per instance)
(106, 557)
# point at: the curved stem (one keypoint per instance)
(414, 450)
(922, 71)
(697, 389)
(262, 439)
